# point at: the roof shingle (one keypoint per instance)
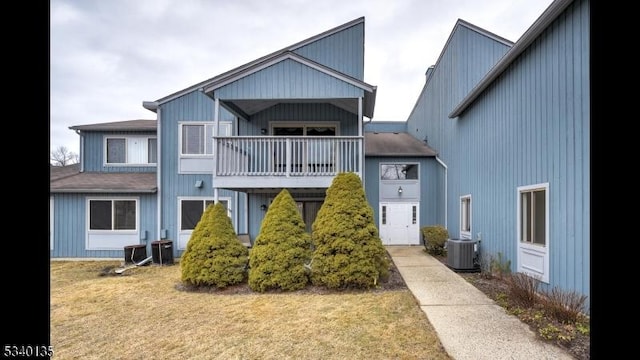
(95, 182)
(395, 144)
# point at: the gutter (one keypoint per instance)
(539, 26)
(81, 150)
(154, 106)
(446, 180)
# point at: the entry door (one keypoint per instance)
(399, 223)
(309, 210)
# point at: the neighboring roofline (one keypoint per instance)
(206, 83)
(534, 31)
(104, 191)
(281, 57)
(400, 155)
(470, 26)
(108, 126)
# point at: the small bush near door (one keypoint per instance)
(282, 248)
(348, 252)
(214, 255)
(435, 237)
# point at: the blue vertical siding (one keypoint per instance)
(343, 51)
(467, 58)
(301, 112)
(70, 225)
(194, 106)
(530, 126)
(94, 156)
(288, 79)
(385, 126)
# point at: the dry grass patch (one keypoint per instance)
(142, 315)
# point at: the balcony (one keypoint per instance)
(249, 163)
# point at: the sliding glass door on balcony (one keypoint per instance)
(317, 156)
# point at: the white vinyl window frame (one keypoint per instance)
(186, 233)
(225, 129)
(395, 165)
(113, 200)
(533, 258)
(127, 139)
(103, 239)
(466, 210)
(530, 208)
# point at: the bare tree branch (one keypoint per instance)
(61, 156)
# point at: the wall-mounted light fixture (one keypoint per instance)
(198, 184)
(263, 131)
(399, 190)
(263, 207)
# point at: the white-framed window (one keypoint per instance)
(130, 150)
(465, 217)
(190, 210)
(112, 222)
(533, 219)
(533, 230)
(196, 138)
(113, 215)
(399, 171)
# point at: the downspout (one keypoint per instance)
(216, 110)
(361, 135)
(445, 189)
(81, 159)
(154, 106)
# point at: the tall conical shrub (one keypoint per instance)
(281, 249)
(348, 252)
(214, 255)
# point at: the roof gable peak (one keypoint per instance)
(207, 83)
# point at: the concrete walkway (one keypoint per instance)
(469, 324)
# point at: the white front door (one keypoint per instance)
(399, 223)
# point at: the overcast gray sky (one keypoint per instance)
(107, 57)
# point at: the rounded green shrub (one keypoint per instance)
(435, 237)
(277, 259)
(214, 255)
(348, 252)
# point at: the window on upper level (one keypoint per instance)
(196, 138)
(131, 150)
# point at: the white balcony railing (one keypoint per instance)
(287, 156)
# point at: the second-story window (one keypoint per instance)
(130, 150)
(197, 138)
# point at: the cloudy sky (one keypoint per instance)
(107, 57)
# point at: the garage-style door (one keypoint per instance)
(399, 223)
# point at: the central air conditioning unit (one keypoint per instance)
(460, 255)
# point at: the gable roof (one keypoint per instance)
(541, 24)
(459, 23)
(250, 107)
(286, 53)
(59, 172)
(127, 125)
(395, 144)
(96, 182)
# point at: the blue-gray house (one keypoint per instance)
(496, 149)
